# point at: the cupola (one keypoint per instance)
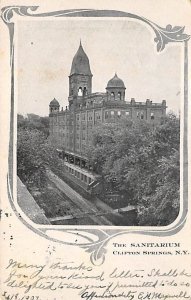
(54, 106)
(116, 89)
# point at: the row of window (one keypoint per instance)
(113, 113)
(108, 114)
(79, 175)
(98, 115)
(140, 115)
(117, 97)
(81, 91)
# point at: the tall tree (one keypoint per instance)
(34, 155)
(140, 163)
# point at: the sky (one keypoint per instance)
(45, 50)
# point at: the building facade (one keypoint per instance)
(72, 127)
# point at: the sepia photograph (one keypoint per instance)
(98, 123)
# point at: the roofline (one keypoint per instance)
(115, 87)
(80, 74)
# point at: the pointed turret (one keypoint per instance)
(80, 63)
(80, 79)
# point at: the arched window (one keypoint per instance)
(112, 96)
(119, 95)
(119, 113)
(85, 91)
(80, 91)
(152, 116)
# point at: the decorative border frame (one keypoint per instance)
(96, 239)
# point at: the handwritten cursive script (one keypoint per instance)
(89, 282)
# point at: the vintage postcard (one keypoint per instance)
(95, 159)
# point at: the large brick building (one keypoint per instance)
(72, 127)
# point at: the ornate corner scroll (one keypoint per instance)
(94, 241)
(166, 35)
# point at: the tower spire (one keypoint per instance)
(80, 78)
(80, 63)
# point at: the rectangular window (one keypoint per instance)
(152, 116)
(106, 114)
(97, 116)
(127, 113)
(112, 113)
(119, 113)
